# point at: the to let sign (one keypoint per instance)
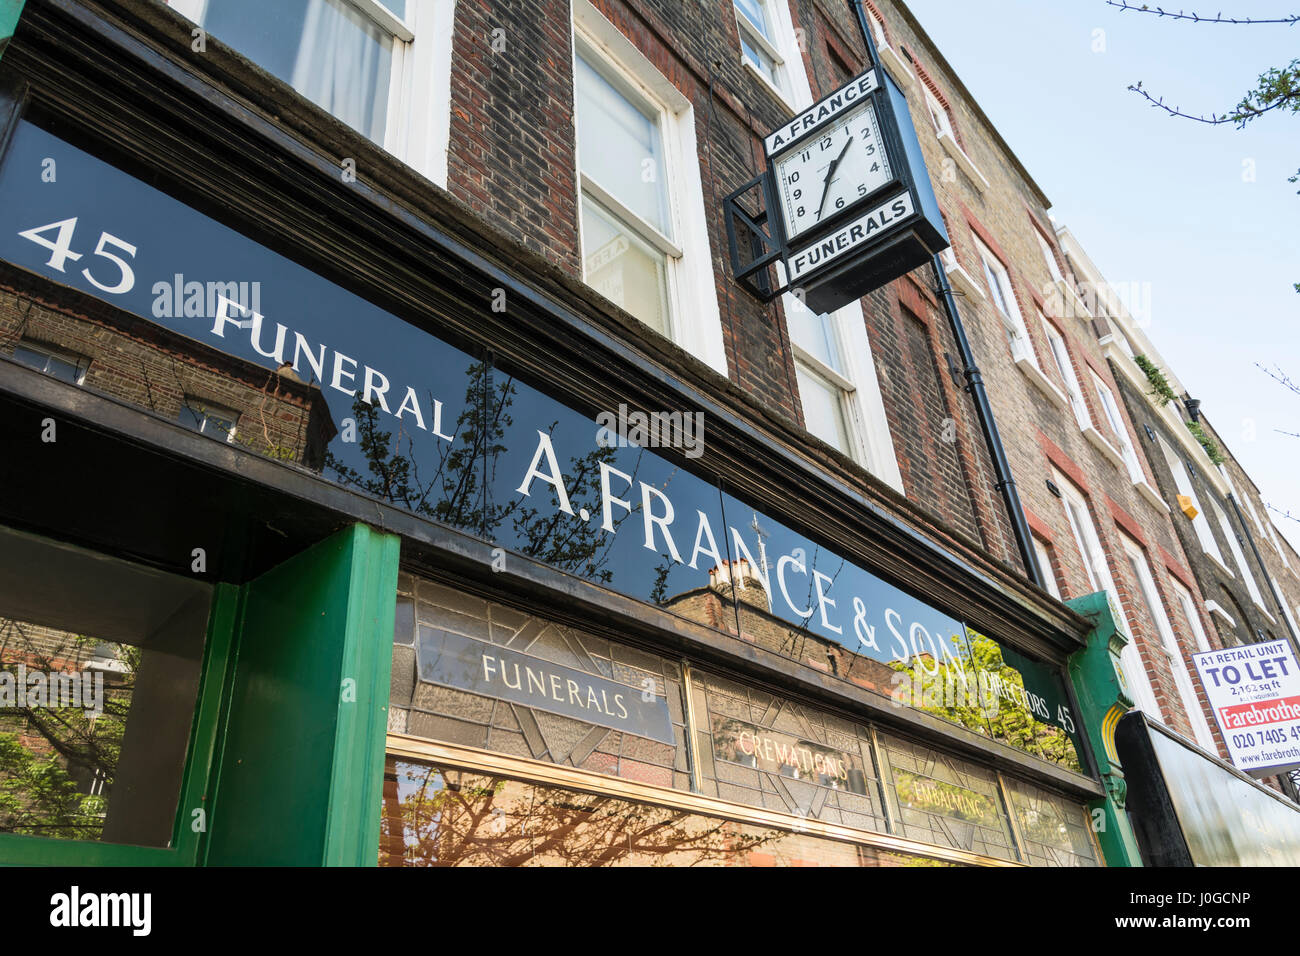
(1254, 691)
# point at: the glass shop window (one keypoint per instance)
(99, 675)
(441, 816)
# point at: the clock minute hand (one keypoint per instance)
(830, 174)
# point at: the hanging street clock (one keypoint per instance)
(850, 203)
(825, 174)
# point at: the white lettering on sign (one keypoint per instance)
(803, 591)
(849, 237)
(852, 93)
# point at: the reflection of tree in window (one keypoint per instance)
(455, 490)
(57, 764)
(1013, 723)
(435, 817)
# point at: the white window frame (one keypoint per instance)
(417, 127)
(1060, 352)
(694, 321)
(934, 106)
(998, 279)
(1277, 545)
(1053, 267)
(862, 405)
(941, 123)
(1188, 605)
(1169, 642)
(1110, 408)
(866, 420)
(1095, 563)
(781, 48)
(1045, 565)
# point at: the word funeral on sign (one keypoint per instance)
(857, 208)
(1254, 691)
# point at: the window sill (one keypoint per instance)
(959, 156)
(1214, 609)
(1151, 495)
(1045, 384)
(897, 67)
(628, 218)
(962, 280)
(1218, 563)
(772, 88)
(1106, 448)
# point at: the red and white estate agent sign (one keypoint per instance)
(1254, 691)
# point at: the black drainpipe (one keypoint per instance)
(1001, 467)
(974, 381)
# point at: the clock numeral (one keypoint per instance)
(839, 203)
(862, 189)
(875, 167)
(826, 144)
(794, 177)
(799, 213)
(806, 155)
(871, 149)
(798, 194)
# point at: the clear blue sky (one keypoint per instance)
(1160, 200)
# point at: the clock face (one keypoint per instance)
(824, 175)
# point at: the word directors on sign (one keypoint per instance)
(1254, 691)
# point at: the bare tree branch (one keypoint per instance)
(1279, 376)
(1284, 514)
(1123, 5)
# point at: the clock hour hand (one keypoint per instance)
(830, 174)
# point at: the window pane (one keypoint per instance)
(214, 422)
(620, 147)
(623, 268)
(1050, 257)
(814, 333)
(823, 409)
(766, 65)
(1063, 365)
(1045, 565)
(755, 14)
(99, 674)
(442, 816)
(325, 49)
(49, 364)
